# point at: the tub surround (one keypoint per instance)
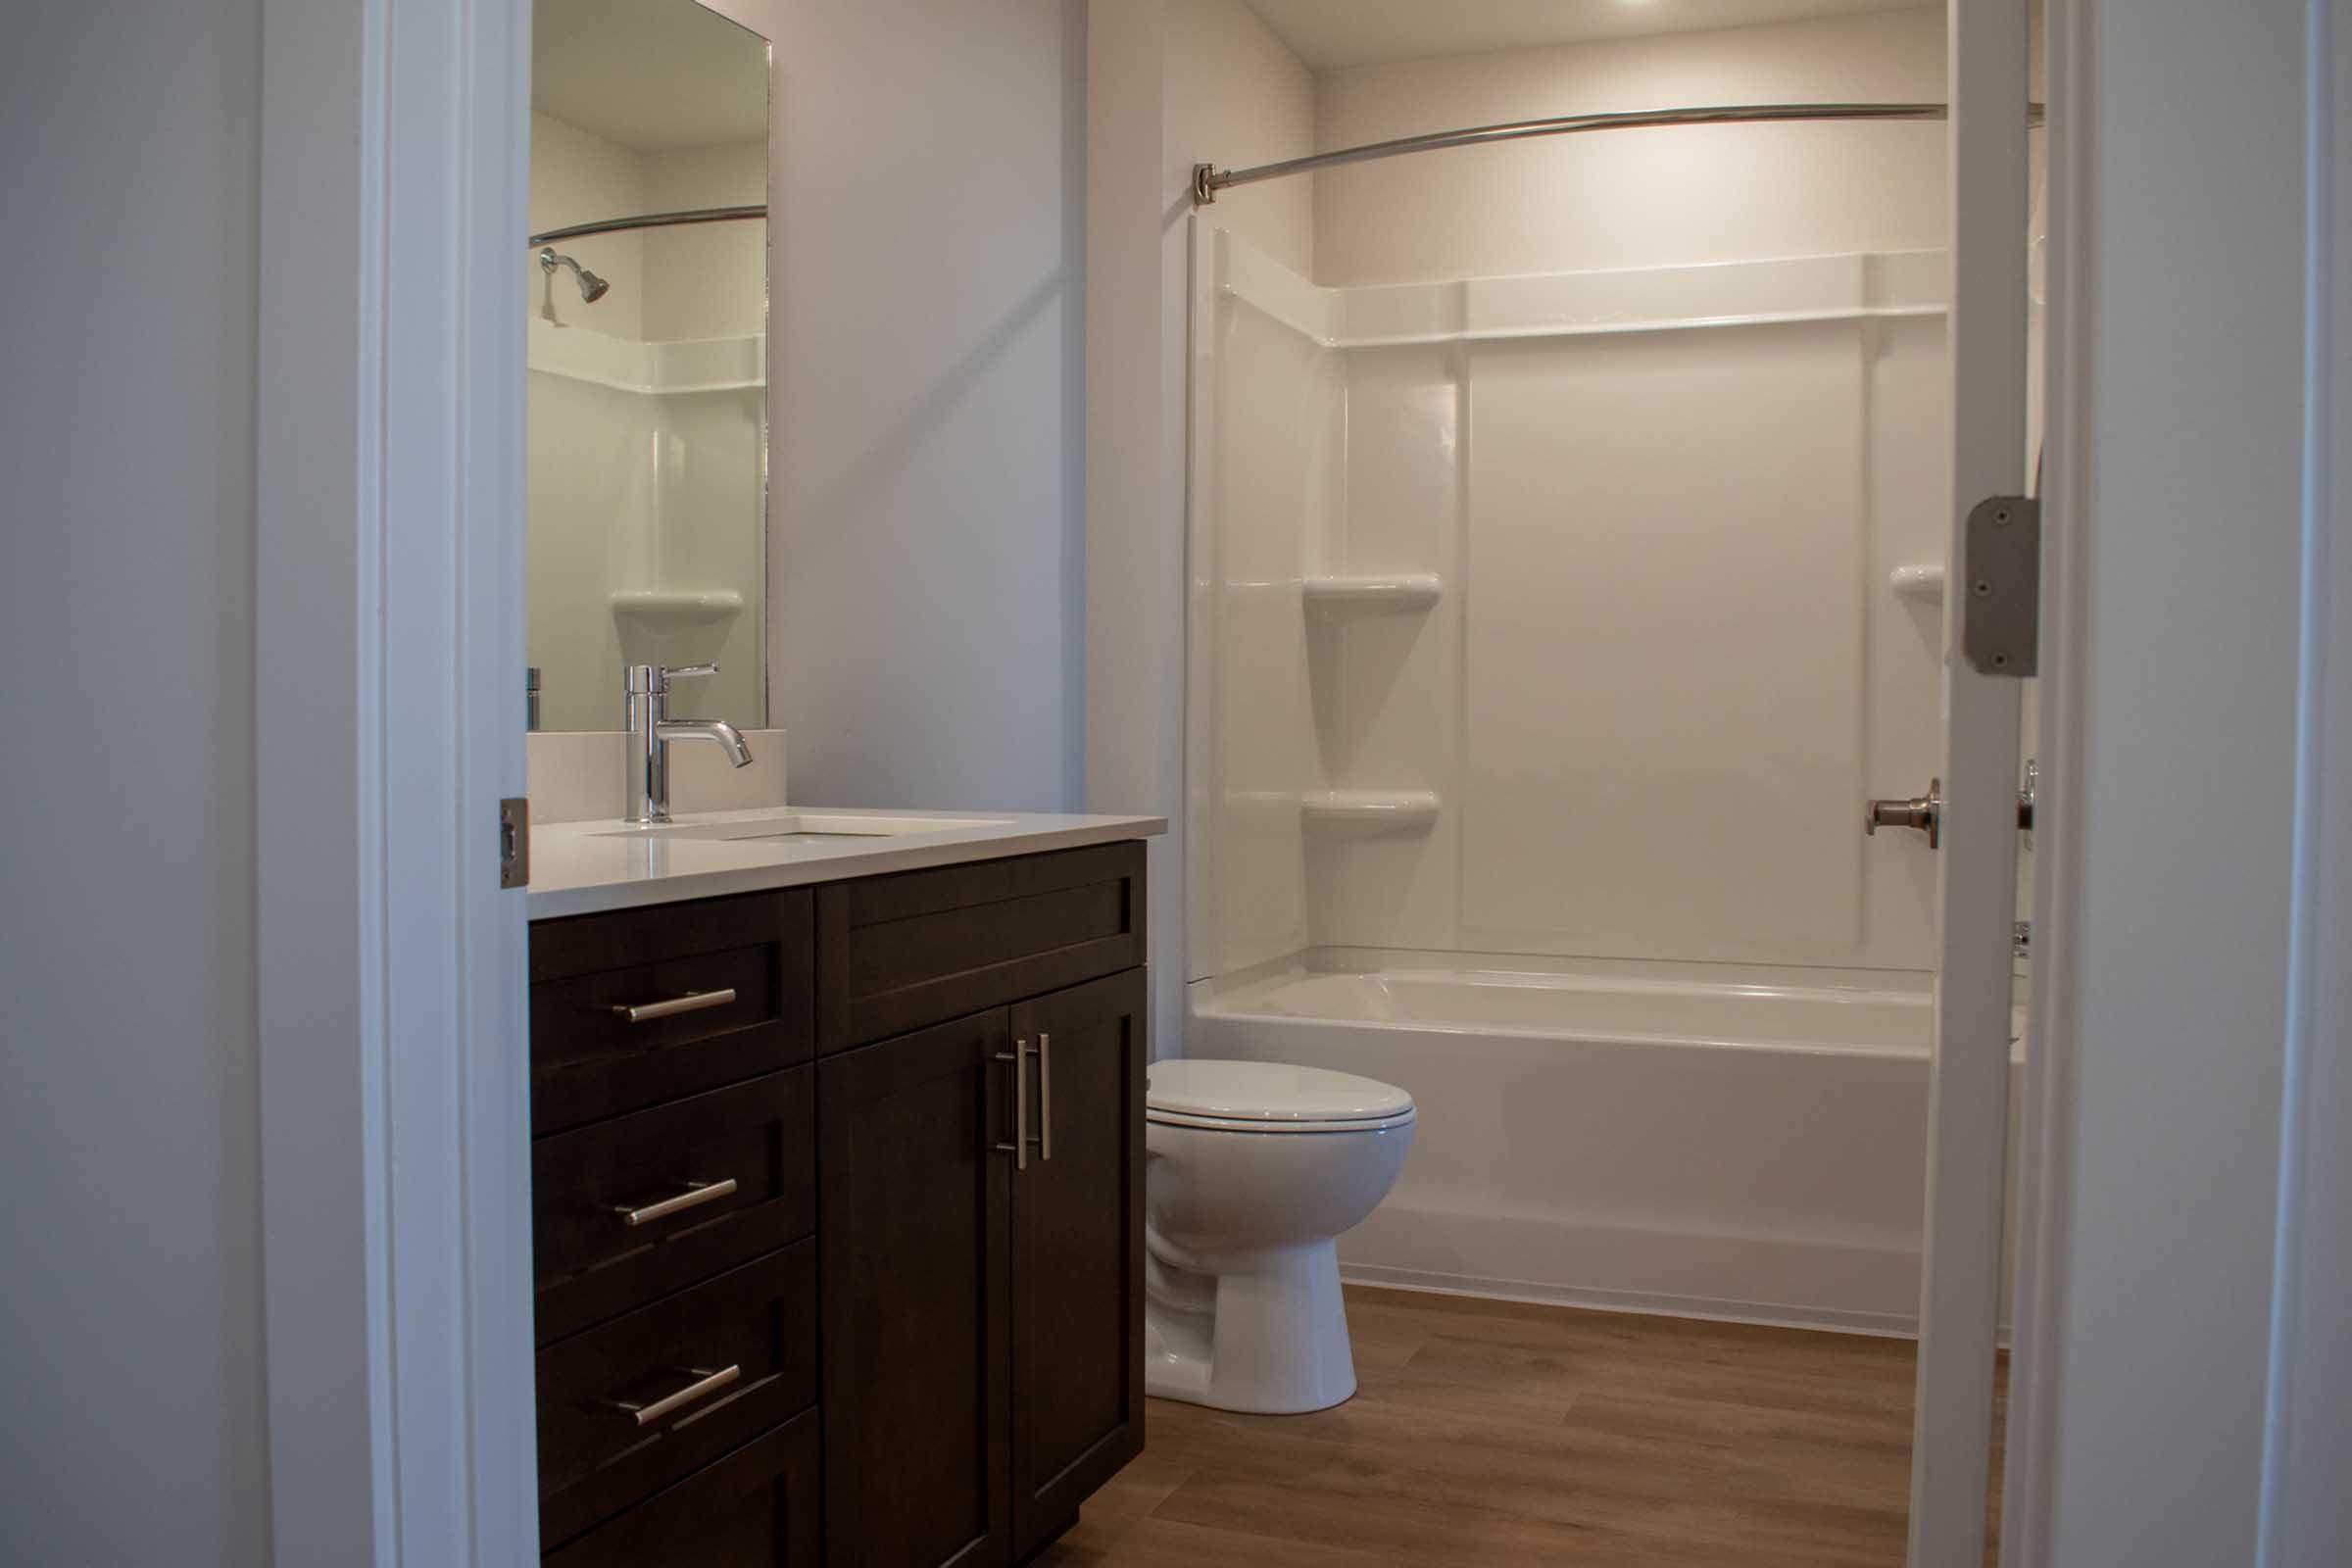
(592, 867)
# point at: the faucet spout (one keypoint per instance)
(719, 730)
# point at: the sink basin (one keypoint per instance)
(805, 827)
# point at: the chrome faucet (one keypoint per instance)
(652, 729)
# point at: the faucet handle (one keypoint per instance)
(653, 679)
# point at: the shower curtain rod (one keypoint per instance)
(1207, 179)
(610, 225)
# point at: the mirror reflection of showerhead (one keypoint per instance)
(592, 287)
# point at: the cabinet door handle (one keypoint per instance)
(706, 1383)
(1018, 1148)
(671, 1006)
(1045, 1094)
(695, 1195)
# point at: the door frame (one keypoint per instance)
(388, 572)
(388, 564)
(2247, 1100)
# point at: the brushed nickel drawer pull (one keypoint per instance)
(704, 1384)
(671, 1006)
(1045, 1094)
(1018, 1148)
(696, 1194)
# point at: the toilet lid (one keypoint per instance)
(1269, 1093)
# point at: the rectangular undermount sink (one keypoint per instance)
(805, 827)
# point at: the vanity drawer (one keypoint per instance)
(642, 1006)
(898, 953)
(757, 1506)
(619, 1212)
(597, 1457)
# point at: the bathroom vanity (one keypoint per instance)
(837, 1173)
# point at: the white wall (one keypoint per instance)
(1634, 198)
(926, 559)
(1234, 96)
(1170, 82)
(128, 1132)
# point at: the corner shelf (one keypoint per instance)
(1363, 812)
(658, 369)
(678, 607)
(1924, 582)
(1372, 594)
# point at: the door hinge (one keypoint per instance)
(515, 842)
(2000, 584)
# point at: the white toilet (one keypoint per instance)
(1252, 1169)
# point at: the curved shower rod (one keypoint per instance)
(1207, 179)
(611, 226)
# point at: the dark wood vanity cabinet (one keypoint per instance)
(883, 1308)
(983, 1307)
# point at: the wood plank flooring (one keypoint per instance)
(1488, 1432)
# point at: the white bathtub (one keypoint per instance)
(1750, 1147)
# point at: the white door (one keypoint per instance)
(1960, 1277)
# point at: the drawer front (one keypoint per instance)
(755, 1508)
(632, 1008)
(898, 953)
(596, 1457)
(633, 1208)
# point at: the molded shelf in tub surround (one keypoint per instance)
(685, 607)
(1854, 285)
(1363, 811)
(1372, 594)
(695, 364)
(1924, 581)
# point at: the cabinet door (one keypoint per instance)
(1077, 1251)
(914, 1234)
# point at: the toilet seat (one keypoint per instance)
(1266, 1097)
(1273, 1129)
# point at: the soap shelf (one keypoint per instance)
(1368, 812)
(1924, 581)
(678, 607)
(1372, 594)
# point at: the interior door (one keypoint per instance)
(915, 1299)
(1960, 1276)
(1077, 1251)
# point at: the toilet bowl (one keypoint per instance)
(1252, 1169)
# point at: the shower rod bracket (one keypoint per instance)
(2000, 584)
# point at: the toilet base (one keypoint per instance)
(1260, 1330)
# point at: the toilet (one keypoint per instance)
(1252, 1169)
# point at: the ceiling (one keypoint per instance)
(1327, 34)
(653, 75)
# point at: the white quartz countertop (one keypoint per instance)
(590, 867)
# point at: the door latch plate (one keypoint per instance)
(2001, 580)
(515, 842)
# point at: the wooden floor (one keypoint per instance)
(1491, 1433)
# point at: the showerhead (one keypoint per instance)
(592, 287)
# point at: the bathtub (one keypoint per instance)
(1748, 1145)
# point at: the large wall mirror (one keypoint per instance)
(647, 354)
